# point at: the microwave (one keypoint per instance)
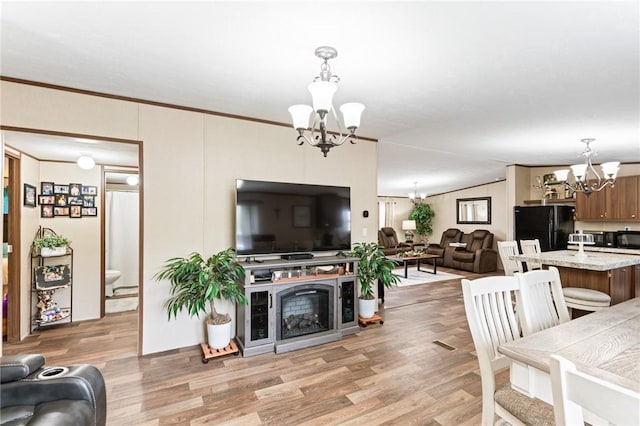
(603, 238)
(628, 239)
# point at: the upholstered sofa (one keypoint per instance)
(477, 254)
(34, 394)
(451, 235)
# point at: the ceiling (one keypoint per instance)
(454, 91)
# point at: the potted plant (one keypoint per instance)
(423, 214)
(197, 283)
(373, 266)
(52, 245)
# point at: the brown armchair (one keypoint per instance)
(477, 256)
(389, 243)
(451, 235)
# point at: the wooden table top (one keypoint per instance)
(604, 343)
(422, 256)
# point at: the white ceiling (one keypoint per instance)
(454, 91)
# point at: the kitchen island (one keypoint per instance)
(616, 274)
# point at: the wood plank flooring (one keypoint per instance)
(390, 374)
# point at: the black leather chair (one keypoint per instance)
(34, 394)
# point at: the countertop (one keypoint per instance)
(607, 249)
(596, 261)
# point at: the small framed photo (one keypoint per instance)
(61, 211)
(46, 210)
(60, 189)
(89, 211)
(29, 195)
(75, 211)
(61, 200)
(75, 189)
(88, 201)
(74, 200)
(46, 188)
(52, 276)
(46, 199)
(89, 190)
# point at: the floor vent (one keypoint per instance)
(444, 345)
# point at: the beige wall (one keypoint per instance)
(444, 206)
(29, 222)
(191, 161)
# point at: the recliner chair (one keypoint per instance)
(388, 240)
(451, 235)
(34, 394)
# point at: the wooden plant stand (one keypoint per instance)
(375, 318)
(208, 352)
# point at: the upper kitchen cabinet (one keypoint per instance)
(617, 203)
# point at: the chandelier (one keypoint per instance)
(413, 197)
(322, 89)
(584, 182)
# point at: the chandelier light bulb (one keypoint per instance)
(300, 116)
(351, 113)
(322, 94)
(610, 169)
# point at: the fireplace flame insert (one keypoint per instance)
(304, 309)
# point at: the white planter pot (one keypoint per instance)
(219, 335)
(55, 251)
(367, 308)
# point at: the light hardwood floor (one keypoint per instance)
(385, 374)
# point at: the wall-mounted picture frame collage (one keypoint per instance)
(73, 200)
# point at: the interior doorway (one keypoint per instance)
(34, 148)
(121, 247)
(11, 294)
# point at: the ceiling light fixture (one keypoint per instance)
(322, 89)
(414, 197)
(584, 182)
(85, 162)
(132, 180)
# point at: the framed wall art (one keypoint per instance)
(46, 210)
(29, 195)
(89, 211)
(60, 189)
(75, 211)
(46, 188)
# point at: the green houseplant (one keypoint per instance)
(196, 283)
(423, 214)
(51, 245)
(372, 266)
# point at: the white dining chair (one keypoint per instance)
(574, 391)
(541, 303)
(585, 299)
(507, 249)
(531, 247)
(489, 306)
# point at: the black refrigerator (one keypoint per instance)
(551, 225)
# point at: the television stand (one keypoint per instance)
(297, 256)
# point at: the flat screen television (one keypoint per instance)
(289, 218)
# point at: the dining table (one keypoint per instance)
(604, 344)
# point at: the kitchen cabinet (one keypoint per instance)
(618, 203)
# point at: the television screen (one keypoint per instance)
(284, 218)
